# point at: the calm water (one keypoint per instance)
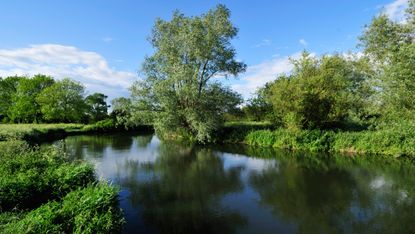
(172, 188)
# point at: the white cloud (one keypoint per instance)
(303, 42)
(396, 10)
(61, 61)
(107, 39)
(258, 75)
(265, 42)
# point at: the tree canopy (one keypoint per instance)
(189, 53)
(390, 46)
(97, 108)
(63, 101)
(25, 108)
(320, 92)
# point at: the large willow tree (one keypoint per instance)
(180, 91)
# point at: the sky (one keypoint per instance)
(102, 43)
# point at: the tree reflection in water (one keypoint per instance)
(338, 194)
(172, 188)
(184, 193)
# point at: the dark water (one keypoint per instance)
(172, 188)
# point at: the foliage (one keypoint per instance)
(42, 191)
(320, 92)
(87, 210)
(25, 108)
(390, 46)
(121, 112)
(33, 176)
(63, 101)
(39, 99)
(97, 108)
(235, 132)
(258, 108)
(106, 125)
(8, 87)
(396, 142)
(178, 92)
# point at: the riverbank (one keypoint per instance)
(37, 133)
(41, 190)
(391, 142)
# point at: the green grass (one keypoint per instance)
(393, 142)
(42, 132)
(92, 209)
(35, 131)
(42, 191)
(235, 132)
(248, 124)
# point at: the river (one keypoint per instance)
(173, 188)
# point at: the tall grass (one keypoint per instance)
(92, 209)
(41, 191)
(394, 142)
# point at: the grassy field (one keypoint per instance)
(28, 131)
(40, 132)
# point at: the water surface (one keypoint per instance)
(172, 188)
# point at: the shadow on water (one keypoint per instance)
(173, 188)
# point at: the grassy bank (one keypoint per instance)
(33, 132)
(42, 132)
(394, 142)
(41, 191)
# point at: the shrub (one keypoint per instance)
(42, 192)
(32, 176)
(87, 210)
(105, 125)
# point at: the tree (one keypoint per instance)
(97, 108)
(258, 108)
(8, 88)
(189, 53)
(63, 101)
(121, 111)
(391, 48)
(320, 92)
(25, 108)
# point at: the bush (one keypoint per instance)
(87, 210)
(235, 132)
(31, 177)
(105, 125)
(42, 192)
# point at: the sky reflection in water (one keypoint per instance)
(173, 188)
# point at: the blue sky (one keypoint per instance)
(103, 42)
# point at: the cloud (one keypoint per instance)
(396, 10)
(61, 61)
(258, 75)
(107, 39)
(303, 42)
(265, 42)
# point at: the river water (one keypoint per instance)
(172, 188)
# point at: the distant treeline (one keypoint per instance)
(41, 99)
